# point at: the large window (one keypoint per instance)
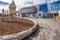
(43, 8)
(29, 10)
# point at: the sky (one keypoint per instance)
(23, 3)
(27, 2)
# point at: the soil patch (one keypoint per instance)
(7, 28)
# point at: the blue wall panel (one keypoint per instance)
(43, 8)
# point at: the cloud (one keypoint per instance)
(29, 2)
(21, 2)
(52, 0)
(5, 7)
(8, 1)
(39, 1)
(24, 3)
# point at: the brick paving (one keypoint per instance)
(48, 29)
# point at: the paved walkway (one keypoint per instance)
(48, 29)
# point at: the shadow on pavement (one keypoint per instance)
(34, 34)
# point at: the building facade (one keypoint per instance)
(49, 10)
(46, 10)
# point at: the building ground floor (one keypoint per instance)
(50, 15)
(41, 15)
(38, 15)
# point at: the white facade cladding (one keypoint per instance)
(54, 6)
(59, 13)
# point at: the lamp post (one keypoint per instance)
(20, 13)
(2, 14)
